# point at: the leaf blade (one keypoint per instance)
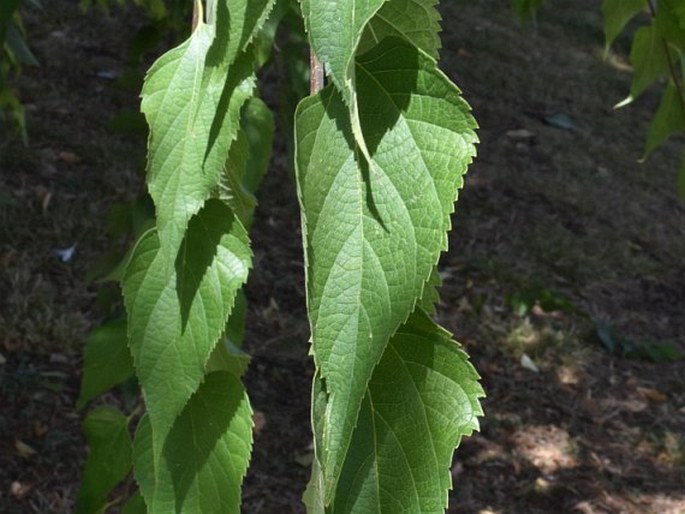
(109, 461)
(177, 313)
(107, 361)
(373, 235)
(617, 14)
(423, 398)
(417, 21)
(206, 455)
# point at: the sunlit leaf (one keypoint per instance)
(418, 21)
(421, 400)
(374, 233)
(205, 456)
(177, 316)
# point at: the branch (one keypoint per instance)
(316, 77)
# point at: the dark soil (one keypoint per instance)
(558, 234)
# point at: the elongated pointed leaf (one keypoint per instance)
(373, 234)
(649, 60)
(177, 316)
(421, 400)
(668, 120)
(192, 99)
(205, 456)
(109, 460)
(107, 361)
(193, 113)
(417, 21)
(617, 14)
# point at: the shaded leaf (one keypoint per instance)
(109, 460)
(617, 14)
(668, 23)
(107, 361)
(649, 60)
(668, 120)
(526, 9)
(134, 505)
(258, 125)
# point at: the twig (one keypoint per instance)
(316, 74)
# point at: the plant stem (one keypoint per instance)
(316, 76)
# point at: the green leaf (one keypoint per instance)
(205, 456)
(107, 361)
(135, 505)
(313, 497)
(374, 233)
(617, 14)
(423, 397)
(668, 120)
(418, 21)
(230, 188)
(176, 316)
(16, 45)
(247, 160)
(109, 460)
(193, 114)
(7, 8)
(431, 297)
(237, 24)
(335, 28)
(668, 24)
(649, 61)
(192, 98)
(258, 124)
(680, 13)
(526, 9)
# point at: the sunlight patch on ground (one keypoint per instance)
(548, 447)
